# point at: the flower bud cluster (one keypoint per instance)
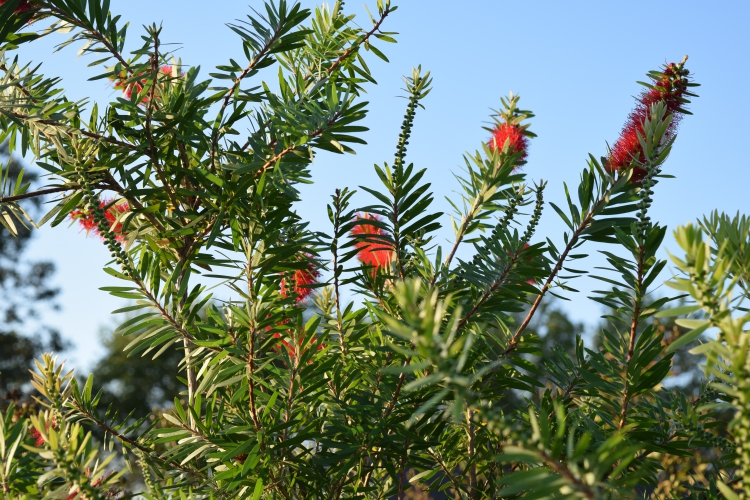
(536, 216)
(406, 126)
(712, 439)
(510, 211)
(111, 212)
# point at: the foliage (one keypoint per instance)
(429, 371)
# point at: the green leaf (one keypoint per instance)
(677, 311)
(258, 489)
(727, 491)
(688, 337)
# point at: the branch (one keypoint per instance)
(132, 442)
(560, 261)
(272, 161)
(447, 472)
(402, 474)
(115, 186)
(357, 44)
(513, 343)
(261, 54)
(510, 212)
(488, 293)
(184, 333)
(41, 192)
(396, 393)
(563, 470)
(251, 382)
(459, 238)
(471, 459)
(12, 77)
(633, 331)
(335, 253)
(98, 36)
(153, 153)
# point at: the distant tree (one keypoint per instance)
(555, 328)
(136, 382)
(24, 288)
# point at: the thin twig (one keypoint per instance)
(560, 262)
(339, 60)
(633, 331)
(101, 38)
(258, 57)
(563, 470)
(41, 192)
(490, 291)
(471, 458)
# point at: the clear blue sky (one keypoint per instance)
(574, 64)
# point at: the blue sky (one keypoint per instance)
(574, 64)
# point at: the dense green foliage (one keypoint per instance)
(293, 392)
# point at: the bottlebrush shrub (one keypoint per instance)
(294, 391)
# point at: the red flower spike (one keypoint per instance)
(371, 254)
(87, 222)
(517, 141)
(301, 278)
(669, 89)
(38, 438)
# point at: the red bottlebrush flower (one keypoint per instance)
(128, 88)
(24, 5)
(113, 214)
(371, 254)
(517, 141)
(668, 87)
(87, 222)
(300, 280)
(38, 438)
